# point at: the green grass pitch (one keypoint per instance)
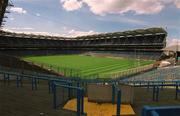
(86, 66)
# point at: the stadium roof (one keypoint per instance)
(131, 33)
(3, 5)
(125, 34)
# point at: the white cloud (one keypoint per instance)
(64, 28)
(18, 10)
(18, 29)
(29, 31)
(71, 5)
(68, 33)
(123, 20)
(74, 33)
(12, 19)
(177, 3)
(103, 7)
(173, 41)
(21, 28)
(37, 14)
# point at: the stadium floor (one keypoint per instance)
(87, 66)
(104, 109)
(25, 102)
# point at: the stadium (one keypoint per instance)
(102, 74)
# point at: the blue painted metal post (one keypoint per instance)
(162, 87)
(153, 93)
(32, 83)
(154, 113)
(20, 80)
(82, 101)
(54, 95)
(118, 103)
(17, 82)
(69, 91)
(177, 90)
(148, 86)
(113, 93)
(52, 85)
(78, 84)
(49, 86)
(35, 83)
(8, 78)
(78, 102)
(4, 78)
(157, 93)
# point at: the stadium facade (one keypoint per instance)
(149, 40)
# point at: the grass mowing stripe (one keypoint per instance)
(106, 62)
(104, 67)
(87, 64)
(124, 67)
(117, 63)
(111, 69)
(113, 66)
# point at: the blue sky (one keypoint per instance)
(79, 17)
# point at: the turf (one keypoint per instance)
(86, 66)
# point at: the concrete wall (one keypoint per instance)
(99, 93)
(103, 93)
(127, 93)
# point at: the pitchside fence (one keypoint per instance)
(63, 70)
(62, 93)
(62, 89)
(72, 72)
(172, 73)
(128, 72)
(169, 74)
(65, 89)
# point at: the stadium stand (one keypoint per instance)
(162, 74)
(144, 43)
(136, 54)
(138, 44)
(153, 38)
